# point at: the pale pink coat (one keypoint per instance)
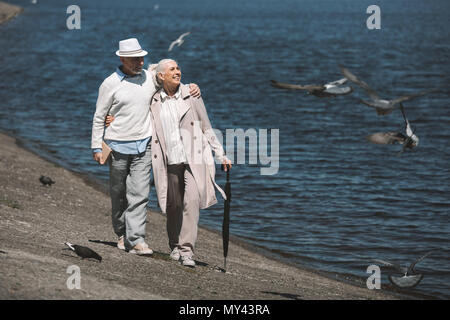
(194, 127)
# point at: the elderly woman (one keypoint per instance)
(183, 165)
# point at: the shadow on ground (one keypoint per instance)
(107, 243)
(284, 295)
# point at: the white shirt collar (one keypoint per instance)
(176, 95)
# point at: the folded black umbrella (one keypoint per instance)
(226, 220)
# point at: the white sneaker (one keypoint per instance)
(187, 261)
(120, 243)
(175, 254)
(141, 249)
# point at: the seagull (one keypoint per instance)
(179, 41)
(46, 181)
(410, 278)
(327, 90)
(382, 106)
(83, 252)
(408, 140)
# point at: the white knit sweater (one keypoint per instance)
(128, 100)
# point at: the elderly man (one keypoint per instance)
(126, 95)
(183, 166)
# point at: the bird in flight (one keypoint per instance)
(330, 89)
(382, 106)
(408, 140)
(412, 140)
(409, 278)
(179, 41)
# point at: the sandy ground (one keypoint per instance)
(8, 11)
(36, 220)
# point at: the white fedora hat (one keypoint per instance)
(130, 48)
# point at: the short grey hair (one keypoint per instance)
(161, 67)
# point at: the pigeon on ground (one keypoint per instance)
(410, 278)
(84, 252)
(382, 106)
(330, 89)
(46, 181)
(179, 41)
(408, 140)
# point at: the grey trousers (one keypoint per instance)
(183, 209)
(129, 186)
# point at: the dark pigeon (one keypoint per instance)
(84, 252)
(46, 181)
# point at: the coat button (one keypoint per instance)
(155, 156)
(192, 123)
(181, 138)
(156, 141)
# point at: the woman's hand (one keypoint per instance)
(226, 164)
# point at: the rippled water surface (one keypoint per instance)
(337, 201)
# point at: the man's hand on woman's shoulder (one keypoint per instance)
(194, 90)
